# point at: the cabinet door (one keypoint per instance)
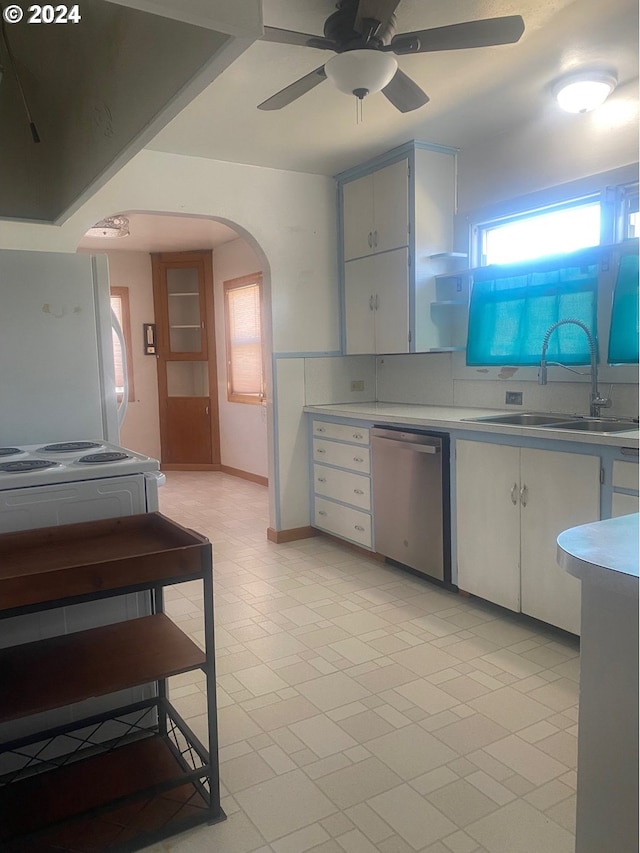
(357, 217)
(391, 207)
(488, 521)
(391, 301)
(358, 306)
(559, 490)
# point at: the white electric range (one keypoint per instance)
(47, 485)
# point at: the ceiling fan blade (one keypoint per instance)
(294, 90)
(404, 94)
(490, 31)
(302, 39)
(374, 10)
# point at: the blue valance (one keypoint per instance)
(623, 336)
(513, 305)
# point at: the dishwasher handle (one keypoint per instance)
(408, 445)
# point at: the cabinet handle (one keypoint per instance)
(371, 303)
(358, 492)
(375, 302)
(370, 240)
(321, 512)
(322, 479)
(375, 239)
(320, 429)
(320, 450)
(523, 495)
(357, 435)
(206, 410)
(359, 527)
(358, 459)
(514, 489)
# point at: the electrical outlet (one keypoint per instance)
(513, 398)
(357, 385)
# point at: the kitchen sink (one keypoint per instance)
(557, 421)
(597, 425)
(524, 419)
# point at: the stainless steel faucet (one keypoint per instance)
(596, 401)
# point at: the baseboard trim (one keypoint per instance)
(291, 535)
(364, 552)
(188, 466)
(245, 475)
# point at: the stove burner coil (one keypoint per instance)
(9, 451)
(69, 447)
(23, 466)
(98, 458)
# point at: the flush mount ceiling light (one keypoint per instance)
(110, 228)
(361, 72)
(584, 91)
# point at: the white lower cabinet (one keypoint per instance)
(341, 481)
(511, 505)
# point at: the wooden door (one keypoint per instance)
(358, 306)
(390, 280)
(391, 207)
(187, 382)
(357, 217)
(488, 521)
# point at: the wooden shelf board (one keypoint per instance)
(64, 796)
(62, 670)
(55, 563)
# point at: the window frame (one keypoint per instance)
(122, 293)
(251, 280)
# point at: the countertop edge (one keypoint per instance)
(424, 416)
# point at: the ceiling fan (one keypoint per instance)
(363, 35)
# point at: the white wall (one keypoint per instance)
(243, 426)
(290, 220)
(140, 430)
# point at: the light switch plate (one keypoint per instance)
(513, 398)
(357, 385)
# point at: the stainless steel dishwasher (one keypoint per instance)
(411, 499)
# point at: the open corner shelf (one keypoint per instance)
(132, 775)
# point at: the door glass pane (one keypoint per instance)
(183, 297)
(187, 379)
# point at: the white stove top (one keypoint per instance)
(66, 462)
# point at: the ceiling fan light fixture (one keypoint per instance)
(584, 91)
(361, 72)
(110, 228)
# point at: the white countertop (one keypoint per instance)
(454, 417)
(603, 552)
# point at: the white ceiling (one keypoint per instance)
(164, 233)
(474, 93)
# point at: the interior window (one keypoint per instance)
(540, 233)
(120, 307)
(243, 325)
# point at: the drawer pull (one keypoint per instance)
(523, 495)
(322, 479)
(359, 527)
(357, 435)
(320, 450)
(322, 512)
(320, 429)
(358, 459)
(514, 489)
(358, 492)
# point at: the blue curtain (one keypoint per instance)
(513, 305)
(623, 336)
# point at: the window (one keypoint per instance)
(243, 322)
(512, 306)
(120, 307)
(540, 233)
(623, 337)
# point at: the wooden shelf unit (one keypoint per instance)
(137, 773)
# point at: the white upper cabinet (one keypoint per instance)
(404, 205)
(376, 211)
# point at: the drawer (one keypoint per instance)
(625, 475)
(343, 432)
(624, 504)
(343, 455)
(343, 521)
(352, 489)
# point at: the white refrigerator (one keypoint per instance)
(56, 354)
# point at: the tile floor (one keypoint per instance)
(362, 709)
